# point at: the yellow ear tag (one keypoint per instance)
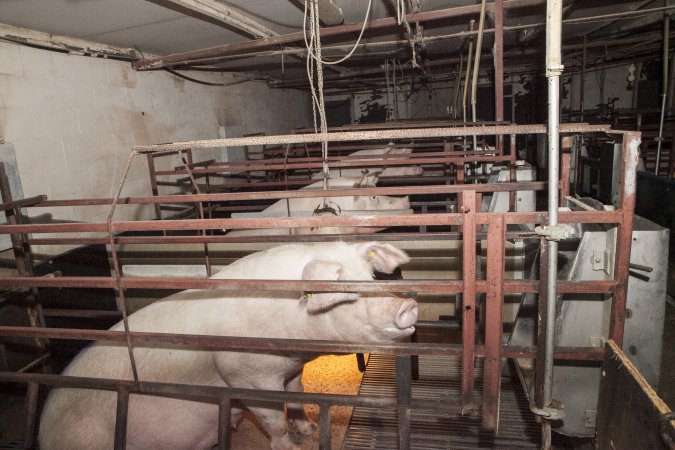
(372, 254)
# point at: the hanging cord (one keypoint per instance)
(317, 56)
(315, 62)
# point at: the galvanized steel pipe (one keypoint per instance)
(553, 71)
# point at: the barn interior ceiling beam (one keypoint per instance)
(227, 15)
(74, 46)
(340, 31)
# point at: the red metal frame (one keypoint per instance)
(468, 219)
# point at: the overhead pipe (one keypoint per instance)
(664, 89)
(457, 87)
(476, 66)
(466, 79)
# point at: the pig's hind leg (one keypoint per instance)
(296, 412)
(273, 420)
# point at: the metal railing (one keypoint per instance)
(469, 224)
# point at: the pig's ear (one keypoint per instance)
(382, 257)
(320, 301)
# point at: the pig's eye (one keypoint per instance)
(374, 197)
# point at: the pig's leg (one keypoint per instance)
(296, 412)
(274, 422)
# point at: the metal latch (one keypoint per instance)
(601, 260)
(556, 232)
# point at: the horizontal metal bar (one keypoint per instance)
(206, 394)
(24, 203)
(419, 286)
(370, 135)
(310, 222)
(269, 195)
(174, 240)
(235, 343)
(344, 164)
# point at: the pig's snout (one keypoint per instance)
(406, 316)
(418, 170)
(404, 203)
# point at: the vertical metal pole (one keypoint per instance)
(153, 184)
(404, 396)
(468, 297)
(582, 88)
(541, 327)
(499, 70)
(458, 86)
(624, 235)
(493, 322)
(324, 426)
(31, 414)
(121, 421)
(565, 161)
(224, 417)
(664, 90)
(554, 69)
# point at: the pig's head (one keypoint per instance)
(376, 202)
(374, 317)
(380, 202)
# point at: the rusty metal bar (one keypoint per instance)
(299, 222)
(224, 414)
(257, 45)
(565, 164)
(468, 298)
(200, 208)
(31, 414)
(422, 286)
(624, 234)
(173, 240)
(265, 345)
(153, 184)
(253, 195)
(403, 399)
(492, 366)
(117, 270)
(324, 426)
(23, 203)
(371, 135)
(121, 418)
(343, 164)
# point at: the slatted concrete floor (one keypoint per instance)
(439, 379)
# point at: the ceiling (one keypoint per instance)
(164, 27)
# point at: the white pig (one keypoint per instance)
(338, 204)
(393, 171)
(85, 419)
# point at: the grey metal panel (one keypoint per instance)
(647, 299)
(582, 320)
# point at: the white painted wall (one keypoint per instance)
(72, 121)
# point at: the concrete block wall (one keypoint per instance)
(72, 121)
